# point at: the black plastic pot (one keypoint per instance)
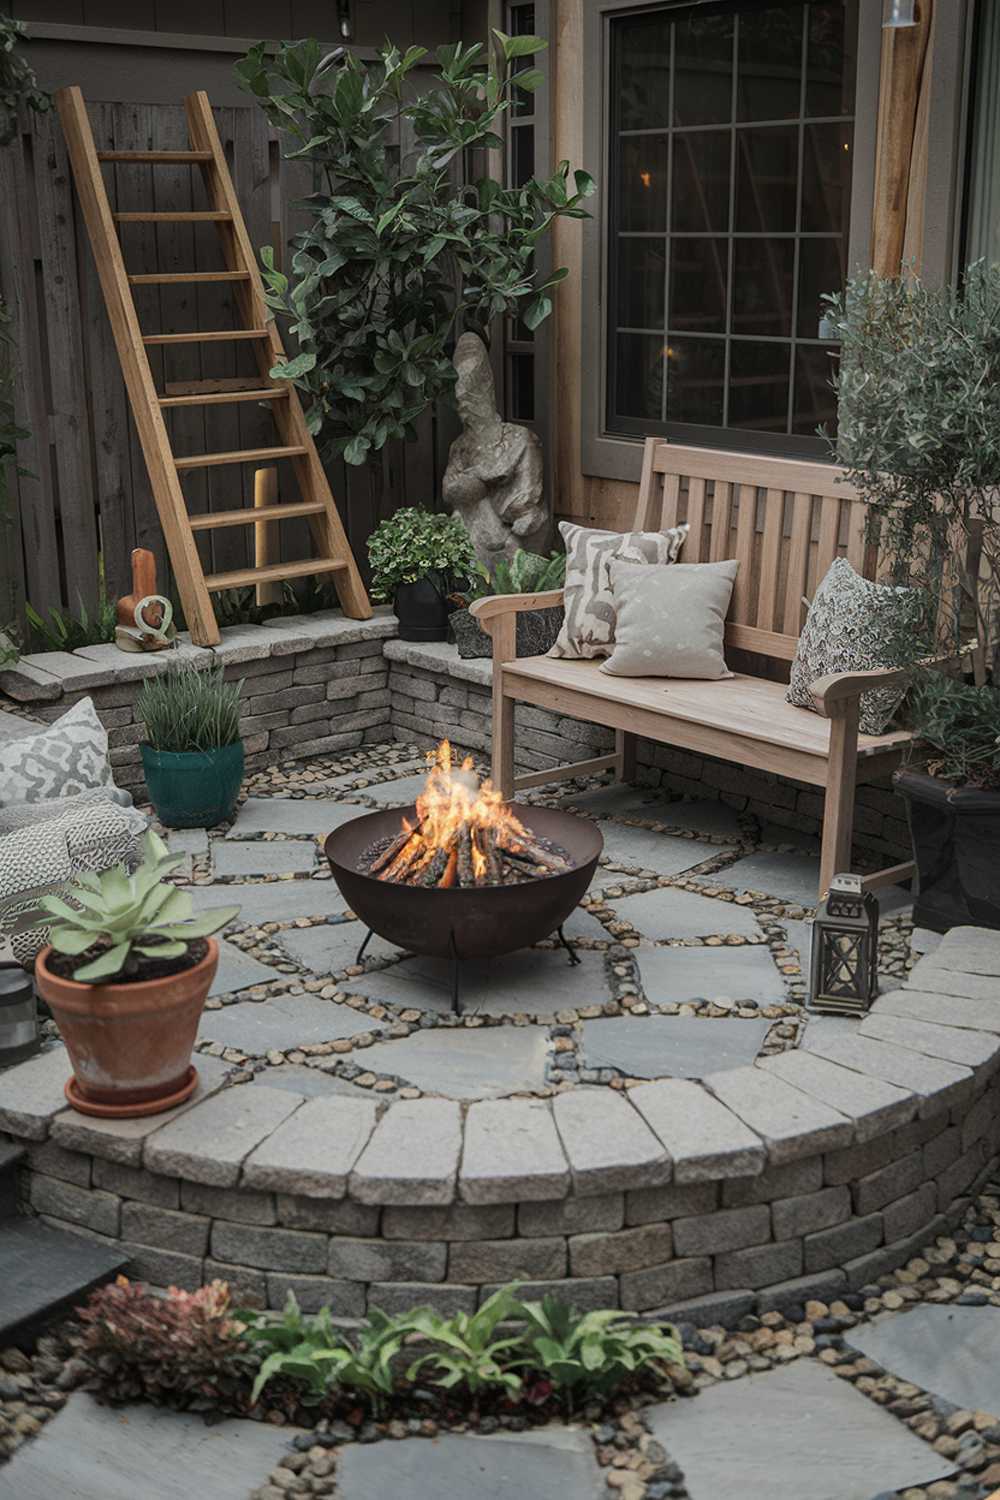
(537, 630)
(421, 610)
(956, 844)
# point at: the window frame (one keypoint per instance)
(614, 455)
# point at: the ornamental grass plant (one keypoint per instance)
(189, 708)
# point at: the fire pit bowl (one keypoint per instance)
(464, 922)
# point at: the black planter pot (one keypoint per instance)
(421, 610)
(956, 844)
(537, 630)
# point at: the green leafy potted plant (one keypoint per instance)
(125, 975)
(524, 573)
(193, 754)
(919, 432)
(418, 558)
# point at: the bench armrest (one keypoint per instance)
(493, 605)
(828, 692)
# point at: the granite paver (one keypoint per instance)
(210, 1142)
(704, 1139)
(608, 1144)
(939, 1084)
(312, 1152)
(874, 1105)
(670, 1046)
(413, 1156)
(512, 1151)
(791, 1123)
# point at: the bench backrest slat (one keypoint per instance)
(784, 521)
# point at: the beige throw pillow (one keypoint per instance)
(589, 627)
(670, 622)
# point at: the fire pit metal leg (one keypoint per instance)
(574, 957)
(361, 951)
(456, 1003)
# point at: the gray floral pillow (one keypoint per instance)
(854, 625)
(589, 627)
(60, 760)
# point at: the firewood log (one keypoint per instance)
(487, 840)
(451, 869)
(397, 846)
(466, 873)
(435, 868)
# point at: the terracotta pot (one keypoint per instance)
(130, 1044)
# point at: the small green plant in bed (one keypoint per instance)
(190, 708)
(958, 725)
(464, 1350)
(593, 1353)
(118, 920)
(66, 631)
(313, 1354)
(524, 573)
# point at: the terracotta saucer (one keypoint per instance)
(128, 1111)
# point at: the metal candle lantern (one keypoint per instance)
(18, 1015)
(845, 949)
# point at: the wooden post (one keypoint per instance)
(901, 149)
(265, 537)
(841, 781)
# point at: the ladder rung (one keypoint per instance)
(239, 456)
(180, 216)
(220, 398)
(250, 515)
(154, 156)
(205, 338)
(273, 574)
(169, 278)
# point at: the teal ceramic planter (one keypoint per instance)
(193, 788)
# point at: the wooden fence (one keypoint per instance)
(84, 493)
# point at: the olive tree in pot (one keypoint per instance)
(126, 975)
(919, 432)
(418, 558)
(193, 755)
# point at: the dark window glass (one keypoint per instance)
(729, 214)
(763, 287)
(642, 183)
(522, 154)
(699, 278)
(522, 387)
(769, 76)
(758, 386)
(815, 403)
(639, 384)
(700, 192)
(767, 170)
(695, 380)
(831, 58)
(703, 70)
(642, 277)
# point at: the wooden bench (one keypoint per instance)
(785, 522)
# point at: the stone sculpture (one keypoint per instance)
(494, 476)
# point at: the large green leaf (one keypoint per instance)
(105, 967)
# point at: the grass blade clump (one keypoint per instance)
(190, 708)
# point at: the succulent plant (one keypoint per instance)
(128, 915)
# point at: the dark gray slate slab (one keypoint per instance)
(644, 849)
(790, 877)
(795, 1432)
(283, 1021)
(744, 973)
(311, 1083)
(331, 948)
(42, 1269)
(263, 857)
(312, 816)
(554, 1463)
(89, 1451)
(951, 1351)
(535, 981)
(466, 1064)
(238, 970)
(682, 914)
(271, 900)
(799, 935)
(397, 793)
(670, 1046)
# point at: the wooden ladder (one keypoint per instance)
(148, 406)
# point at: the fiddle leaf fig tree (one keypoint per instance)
(405, 248)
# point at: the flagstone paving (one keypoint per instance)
(237, 970)
(311, 1083)
(951, 1351)
(796, 1433)
(332, 947)
(534, 981)
(670, 1046)
(397, 793)
(316, 817)
(271, 900)
(556, 1463)
(671, 913)
(650, 805)
(257, 857)
(645, 849)
(467, 1064)
(91, 1452)
(256, 1026)
(720, 974)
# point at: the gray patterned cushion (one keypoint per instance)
(857, 626)
(671, 622)
(61, 760)
(589, 627)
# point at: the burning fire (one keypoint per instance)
(465, 834)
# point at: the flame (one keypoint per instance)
(456, 816)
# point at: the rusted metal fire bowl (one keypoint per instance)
(468, 922)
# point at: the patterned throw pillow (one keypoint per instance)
(61, 760)
(857, 626)
(589, 627)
